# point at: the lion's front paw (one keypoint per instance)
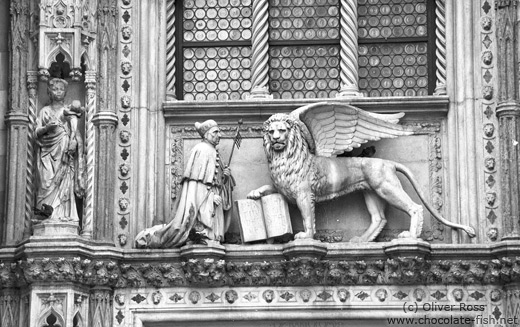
(254, 194)
(302, 235)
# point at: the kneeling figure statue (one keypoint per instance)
(205, 201)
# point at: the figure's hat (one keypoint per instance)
(202, 128)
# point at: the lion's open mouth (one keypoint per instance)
(278, 145)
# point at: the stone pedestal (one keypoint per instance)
(55, 229)
(305, 248)
(407, 248)
(213, 250)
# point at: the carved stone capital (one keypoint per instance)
(32, 81)
(90, 80)
(508, 109)
(16, 118)
(105, 118)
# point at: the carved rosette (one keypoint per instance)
(260, 49)
(440, 43)
(170, 50)
(368, 298)
(124, 139)
(349, 49)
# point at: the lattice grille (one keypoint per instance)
(217, 20)
(391, 19)
(393, 69)
(303, 19)
(216, 73)
(304, 71)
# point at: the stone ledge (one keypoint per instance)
(260, 110)
(85, 263)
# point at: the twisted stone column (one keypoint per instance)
(90, 145)
(440, 42)
(32, 88)
(170, 50)
(349, 49)
(260, 50)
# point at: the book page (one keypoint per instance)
(276, 215)
(251, 220)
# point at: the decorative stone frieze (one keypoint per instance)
(228, 272)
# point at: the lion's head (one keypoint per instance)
(282, 135)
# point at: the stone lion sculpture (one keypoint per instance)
(301, 151)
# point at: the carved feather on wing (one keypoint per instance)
(334, 128)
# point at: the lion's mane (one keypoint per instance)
(292, 165)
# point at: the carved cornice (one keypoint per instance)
(344, 265)
(258, 111)
(297, 271)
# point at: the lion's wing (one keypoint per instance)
(334, 128)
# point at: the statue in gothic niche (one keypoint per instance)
(60, 162)
(301, 151)
(203, 213)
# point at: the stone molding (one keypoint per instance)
(230, 111)
(388, 263)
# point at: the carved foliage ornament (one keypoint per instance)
(210, 272)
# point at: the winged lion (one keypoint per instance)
(302, 148)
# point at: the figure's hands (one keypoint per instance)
(72, 145)
(217, 200)
(227, 171)
(52, 126)
(254, 195)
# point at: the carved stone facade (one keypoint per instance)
(146, 71)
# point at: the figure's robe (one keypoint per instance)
(60, 168)
(203, 179)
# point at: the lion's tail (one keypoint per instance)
(408, 173)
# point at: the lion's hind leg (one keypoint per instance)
(392, 191)
(376, 208)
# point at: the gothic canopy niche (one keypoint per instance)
(66, 28)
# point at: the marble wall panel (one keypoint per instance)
(345, 217)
